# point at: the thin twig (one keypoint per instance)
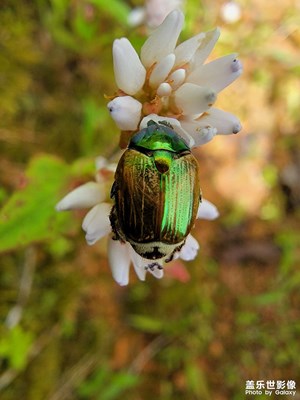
(147, 354)
(11, 374)
(74, 376)
(15, 313)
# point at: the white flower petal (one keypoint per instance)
(217, 74)
(177, 78)
(119, 261)
(164, 89)
(186, 50)
(157, 10)
(96, 223)
(163, 40)
(224, 122)
(136, 16)
(161, 70)
(101, 162)
(129, 71)
(206, 47)
(173, 122)
(201, 133)
(190, 249)
(83, 196)
(236, 66)
(126, 112)
(207, 210)
(138, 264)
(193, 99)
(231, 12)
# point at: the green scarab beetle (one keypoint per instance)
(156, 193)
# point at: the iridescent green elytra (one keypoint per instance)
(156, 193)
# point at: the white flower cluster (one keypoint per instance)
(166, 83)
(154, 12)
(172, 83)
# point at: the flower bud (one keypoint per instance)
(177, 78)
(224, 122)
(129, 71)
(164, 89)
(126, 112)
(161, 70)
(163, 40)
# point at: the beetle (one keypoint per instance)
(156, 193)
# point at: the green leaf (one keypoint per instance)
(120, 382)
(95, 383)
(268, 298)
(109, 384)
(85, 29)
(146, 324)
(93, 116)
(196, 380)
(117, 9)
(15, 345)
(29, 215)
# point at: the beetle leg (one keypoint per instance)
(171, 256)
(166, 123)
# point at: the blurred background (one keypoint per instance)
(68, 331)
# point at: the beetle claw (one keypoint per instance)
(153, 266)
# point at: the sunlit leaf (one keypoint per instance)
(269, 298)
(146, 324)
(29, 215)
(119, 383)
(93, 115)
(15, 345)
(117, 9)
(197, 381)
(108, 384)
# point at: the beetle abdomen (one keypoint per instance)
(156, 196)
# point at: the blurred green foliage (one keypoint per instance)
(29, 215)
(104, 384)
(14, 346)
(69, 332)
